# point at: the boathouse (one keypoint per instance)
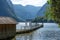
(7, 27)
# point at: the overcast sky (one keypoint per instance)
(29, 2)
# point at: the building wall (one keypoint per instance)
(7, 30)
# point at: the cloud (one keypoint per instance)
(29, 2)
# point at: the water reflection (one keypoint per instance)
(41, 34)
(29, 36)
(24, 37)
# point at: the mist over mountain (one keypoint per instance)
(26, 12)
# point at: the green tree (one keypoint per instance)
(55, 10)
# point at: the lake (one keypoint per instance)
(50, 31)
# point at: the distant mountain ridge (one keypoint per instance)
(26, 12)
(19, 12)
(42, 11)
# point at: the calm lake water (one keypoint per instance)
(50, 31)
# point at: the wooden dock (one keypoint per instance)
(28, 30)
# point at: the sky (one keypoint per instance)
(29, 2)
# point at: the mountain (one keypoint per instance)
(32, 10)
(6, 9)
(26, 12)
(42, 11)
(40, 14)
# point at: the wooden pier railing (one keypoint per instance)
(28, 30)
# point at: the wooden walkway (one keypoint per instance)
(28, 30)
